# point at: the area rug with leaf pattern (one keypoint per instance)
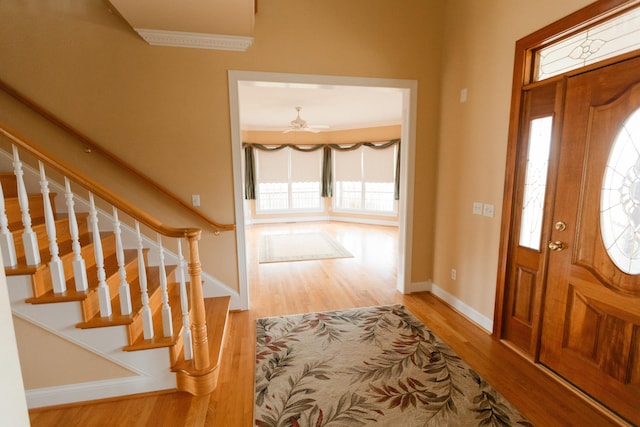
(369, 366)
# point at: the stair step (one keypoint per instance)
(71, 294)
(36, 210)
(217, 318)
(9, 184)
(41, 274)
(92, 312)
(159, 340)
(63, 239)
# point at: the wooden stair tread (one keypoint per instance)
(9, 184)
(217, 310)
(36, 209)
(153, 284)
(176, 318)
(51, 297)
(65, 246)
(71, 294)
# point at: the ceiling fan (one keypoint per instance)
(299, 124)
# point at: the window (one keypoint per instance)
(364, 180)
(535, 185)
(288, 180)
(606, 40)
(620, 199)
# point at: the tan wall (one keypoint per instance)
(479, 43)
(65, 363)
(352, 136)
(167, 109)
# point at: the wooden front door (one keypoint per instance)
(591, 304)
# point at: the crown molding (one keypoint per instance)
(195, 40)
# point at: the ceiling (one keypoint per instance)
(228, 25)
(272, 106)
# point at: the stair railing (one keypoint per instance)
(194, 320)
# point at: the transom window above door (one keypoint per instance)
(606, 40)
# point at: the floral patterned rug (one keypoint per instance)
(371, 366)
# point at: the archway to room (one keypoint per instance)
(272, 92)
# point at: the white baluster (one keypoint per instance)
(55, 264)
(125, 293)
(79, 266)
(6, 238)
(167, 321)
(29, 238)
(184, 305)
(104, 294)
(147, 321)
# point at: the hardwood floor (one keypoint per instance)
(367, 279)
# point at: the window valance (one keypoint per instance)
(327, 172)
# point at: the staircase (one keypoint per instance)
(78, 270)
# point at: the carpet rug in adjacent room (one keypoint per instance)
(300, 247)
(376, 366)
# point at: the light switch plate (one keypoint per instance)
(488, 210)
(477, 208)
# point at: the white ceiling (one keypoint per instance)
(272, 105)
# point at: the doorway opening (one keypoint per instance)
(404, 90)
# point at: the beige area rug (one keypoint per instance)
(377, 366)
(300, 247)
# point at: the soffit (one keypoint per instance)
(213, 24)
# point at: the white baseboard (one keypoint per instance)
(59, 395)
(370, 221)
(420, 287)
(355, 220)
(466, 310)
(284, 219)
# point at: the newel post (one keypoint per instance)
(199, 324)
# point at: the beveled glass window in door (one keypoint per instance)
(613, 37)
(620, 198)
(535, 183)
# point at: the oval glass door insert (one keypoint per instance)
(620, 198)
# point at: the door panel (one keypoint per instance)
(591, 321)
(521, 316)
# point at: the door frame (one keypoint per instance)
(409, 89)
(523, 81)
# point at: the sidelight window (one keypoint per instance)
(535, 184)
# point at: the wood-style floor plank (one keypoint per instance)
(367, 279)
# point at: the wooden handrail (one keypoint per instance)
(96, 188)
(93, 146)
